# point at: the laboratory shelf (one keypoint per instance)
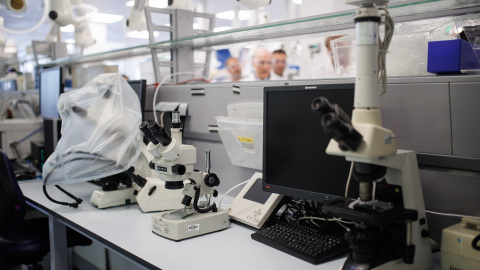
(103, 56)
(403, 12)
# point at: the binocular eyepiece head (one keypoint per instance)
(336, 124)
(155, 133)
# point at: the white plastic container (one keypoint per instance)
(243, 140)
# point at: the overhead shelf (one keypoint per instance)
(103, 56)
(402, 12)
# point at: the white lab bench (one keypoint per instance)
(126, 230)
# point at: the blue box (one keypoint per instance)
(451, 56)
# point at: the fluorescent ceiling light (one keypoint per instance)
(106, 18)
(70, 41)
(221, 28)
(230, 15)
(298, 2)
(69, 28)
(139, 34)
(153, 3)
(10, 49)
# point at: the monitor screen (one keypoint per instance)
(294, 160)
(140, 87)
(257, 194)
(50, 89)
(8, 85)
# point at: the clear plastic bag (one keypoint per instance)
(100, 135)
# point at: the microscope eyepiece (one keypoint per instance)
(322, 105)
(344, 133)
(143, 127)
(159, 133)
(179, 169)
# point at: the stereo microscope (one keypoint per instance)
(174, 161)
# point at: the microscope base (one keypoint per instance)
(104, 199)
(190, 225)
(383, 217)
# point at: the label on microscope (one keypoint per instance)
(193, 227)
(162, 169)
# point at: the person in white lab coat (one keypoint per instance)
(262, 65)
(279, 65)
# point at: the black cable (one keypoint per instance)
(74, 205)
(475, 242)
(77, 200)
(212, 207)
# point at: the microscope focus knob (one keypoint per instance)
(425, 233)
(212, 180)
(179, 169)
(151, 165)
(186, 200)
(215, 193)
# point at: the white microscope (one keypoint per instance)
(174, 163)
(116, 190)
(138, 184)
(390, 229)
(164, 192)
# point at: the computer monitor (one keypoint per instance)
(294, 160)
(8, 85)
(140, 87)
(51, 87)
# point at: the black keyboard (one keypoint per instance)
(306, 243)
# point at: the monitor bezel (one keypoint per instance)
(142, 97)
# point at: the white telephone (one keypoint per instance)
(253, 206)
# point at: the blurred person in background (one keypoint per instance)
(233, 67)
(279, 65)
(262, 64)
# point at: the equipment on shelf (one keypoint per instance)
(390, 229)
(63, 13)
(174, 162)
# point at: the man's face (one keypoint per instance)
(262, 64)
(279, 63)
(234, 68)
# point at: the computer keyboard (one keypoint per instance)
(306, 243)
